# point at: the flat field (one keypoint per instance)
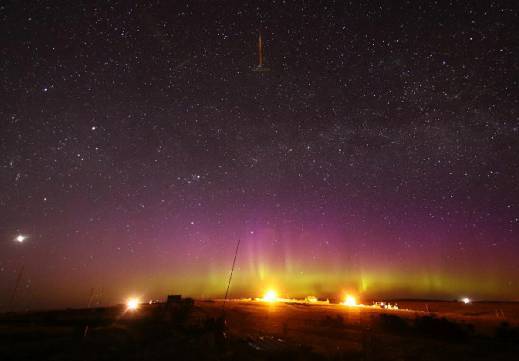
(402, 333)
(252, 330)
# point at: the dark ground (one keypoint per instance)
(259, 331)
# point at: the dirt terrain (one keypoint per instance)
(252, 330)
(334, 328)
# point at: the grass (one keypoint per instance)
(250, 332)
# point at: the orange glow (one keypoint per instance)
(132, 304)
(311, 299)
(270, 296)
(350, 301)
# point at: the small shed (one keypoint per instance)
(174, 299)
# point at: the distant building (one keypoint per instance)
(178, 308)
(172, 299)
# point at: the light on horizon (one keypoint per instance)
(466, 300)
(270, 296)
(132, 304)
(349, 300)
(311, 299)
(20, 238)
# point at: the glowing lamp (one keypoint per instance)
(20, 238)
(349, 300)
(270, 296)
(132, 304)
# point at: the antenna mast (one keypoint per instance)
(260, 67)
(260, 51)
(18, 280)
(232, 270)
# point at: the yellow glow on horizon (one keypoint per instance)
(132, 304)
(270, 296)
(311, 299)
(379, 284)
(350, 301)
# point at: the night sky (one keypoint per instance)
(380, 154)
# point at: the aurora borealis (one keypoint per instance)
(379, 154)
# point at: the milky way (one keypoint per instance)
(378, 154)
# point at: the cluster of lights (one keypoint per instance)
(271, 296)
(385, 305)
(349, 300)
(311, 299)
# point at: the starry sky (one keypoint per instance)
(379, 154)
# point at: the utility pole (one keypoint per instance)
(17, 285)
(230, 276)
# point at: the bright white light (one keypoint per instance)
(270, 296)
(20, 238)
(465, 300)
(132, 304)
(349, 300)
